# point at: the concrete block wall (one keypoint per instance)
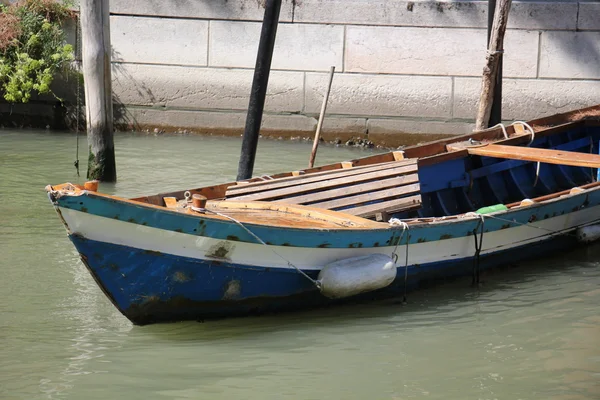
(401, 66)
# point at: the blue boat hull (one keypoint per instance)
(149, 287)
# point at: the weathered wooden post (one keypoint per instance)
(495, 49)
(259, 89)
(313, 153)
(95, 33)
(496, 112)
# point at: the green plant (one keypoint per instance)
(32, 47)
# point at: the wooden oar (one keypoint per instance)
(559, 157)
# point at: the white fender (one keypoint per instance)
(588, 234)
(356, 275)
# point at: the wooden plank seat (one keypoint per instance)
(549, 156)
(362, 191)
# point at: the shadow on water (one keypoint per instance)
(455, 302)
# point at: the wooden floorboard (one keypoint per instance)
(359, 200)
(244, 189)
(328, 184)
(393, 184)
(331, 194)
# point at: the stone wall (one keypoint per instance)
(401, 66)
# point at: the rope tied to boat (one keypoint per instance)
(512, 221)
(505, 133)
(478, 247)
(78, 109)
(538, 164)
(526, 125)
(395, 222)
(501, 125)
(479, 242)
(259, 240)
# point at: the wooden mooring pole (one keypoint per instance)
(490, 71)
(95, 34)
(496, 112)
(259, 89)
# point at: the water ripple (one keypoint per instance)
(531, 331)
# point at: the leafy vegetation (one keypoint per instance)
(32, 47)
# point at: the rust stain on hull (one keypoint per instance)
(233, 289)
(221, 251)
(181, 277)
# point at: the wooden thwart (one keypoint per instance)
(559, 157)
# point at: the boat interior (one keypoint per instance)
(519, 164)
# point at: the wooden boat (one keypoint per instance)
(370, 227)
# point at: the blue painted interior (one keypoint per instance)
(467, 184)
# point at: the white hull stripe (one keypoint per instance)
(205, 248)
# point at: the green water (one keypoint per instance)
(531, 332)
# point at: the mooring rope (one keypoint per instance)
(537, 174)
(405, 229)
(554, 232)
(479, 243)
(501, 127)
(478, 247)
(594, 178)
(393, 222)
(259, 240)
(526, 125)
(77, 111)
(538, 164)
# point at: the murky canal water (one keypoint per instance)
(532, 332)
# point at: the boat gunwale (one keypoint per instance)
(76, 191)
(412, 223)
(558, 123)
